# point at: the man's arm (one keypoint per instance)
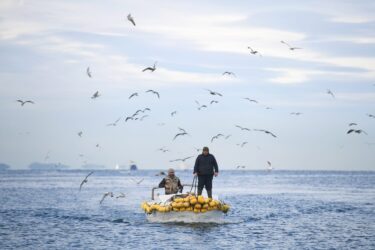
(180, 187)
(162, 183)
(196, 166)
(215, 165)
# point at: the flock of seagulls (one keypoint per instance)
(182, 132)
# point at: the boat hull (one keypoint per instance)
(186, 217)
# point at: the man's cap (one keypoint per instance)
(205, 149)
(171, 170)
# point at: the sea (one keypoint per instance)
(269, 210)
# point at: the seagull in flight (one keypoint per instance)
(229, 73)
(24, 102)
(85, 180)
(141, 119)
(216, 137)
(371, 116)
(254, 52)
(88, 72)
(121, 195)
(240, 166)
(214, 101)
(80, 133)
(352, 124)
(203, 106)
(290, 47)
(226, 137)
(174, 113)
(330, 93)
(132, 95)
(137, 181)
(242, 144)
(95, 95)
(114, 123)
(266, 131)
(269, 168)
(242, 128)
(152, 69)
(182, 130)
(129, 118)
(250, 100)
(105, 195)
(153, 92)
(130, 18)
(183, 159)
(179, 134)
(214, 93)
(358, 131)
(296, 113)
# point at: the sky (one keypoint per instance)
(46, 47)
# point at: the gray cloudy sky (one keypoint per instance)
(46, 47)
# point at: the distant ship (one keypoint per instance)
(133, 167)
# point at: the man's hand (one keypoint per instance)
(216, 174)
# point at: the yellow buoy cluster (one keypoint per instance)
(190, 203)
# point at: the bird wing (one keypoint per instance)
(89, 174)
(285, 43)
(83, 182)
(104, 196)
(148, 68)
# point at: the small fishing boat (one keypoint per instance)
(184, 207)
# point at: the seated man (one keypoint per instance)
(171, 183)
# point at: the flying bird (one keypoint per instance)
(203, 106)
(197, 149)
(105, 195)
(152, 69)
(229, 73)
(141, 119)
(371, 116)
(183, 159)
(226, 137)
(330, 93)
(24, 102)
(254, 52)
(153, 92)
(88, 72)
(95, 95)
(242, 144)
(358, 131)
(114, 123)
(242, 128)
(132, 95)
(85, 180)
(181, 129)
(296, 113)
(216, 137)
(250, 100)
(353, 124)
(240, 166)
(174, 113)
(179, 134)
(121, 195)
(214, 93)
(131, 19)
(266, 131)
(214, 101)
(137, 181)
(290, 47)
(80, 133)
(129, 118)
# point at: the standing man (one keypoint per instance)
(171, 183)
(205, 168)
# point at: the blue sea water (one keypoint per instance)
(277, 210)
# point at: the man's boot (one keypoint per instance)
(200, 191)
(209, 193)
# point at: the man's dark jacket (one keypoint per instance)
(205, 165)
